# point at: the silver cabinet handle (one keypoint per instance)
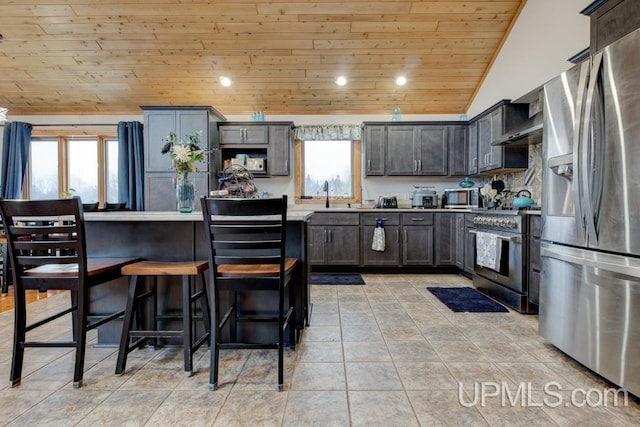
(330, 236)
(415, 165)
(473, 162)
(419, 165)
(369, 165)
(417, 219)
(325, 236)
(405, 235)
(397, 236)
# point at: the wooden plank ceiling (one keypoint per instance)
(111, 56)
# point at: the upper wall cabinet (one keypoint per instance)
(160, 121)
(491, 125)
(415, 148)
(611, 20)
(231, 133)
(472, 147)
(375, 139)
(264, 148)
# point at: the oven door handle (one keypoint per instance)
(514, 239)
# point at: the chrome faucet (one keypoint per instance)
(325, 187)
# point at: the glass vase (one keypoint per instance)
(185, 193)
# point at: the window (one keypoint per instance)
(43, 169)
(335, 162)
(81, 166)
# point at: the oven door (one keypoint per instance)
(510, 273)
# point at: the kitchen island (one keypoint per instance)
(172, 236)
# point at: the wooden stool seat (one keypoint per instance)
(256, 269)
(188, 270)
(165, 268)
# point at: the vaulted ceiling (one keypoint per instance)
(112, 56)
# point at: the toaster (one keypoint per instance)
(386, 202)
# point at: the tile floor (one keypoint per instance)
(384, 354)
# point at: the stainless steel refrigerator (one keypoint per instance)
(590, 279)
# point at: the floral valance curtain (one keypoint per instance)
(327, 132)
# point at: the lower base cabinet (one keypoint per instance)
(334, 239)
(390, 256)
(469, 244)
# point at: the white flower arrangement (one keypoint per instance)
(185, 154)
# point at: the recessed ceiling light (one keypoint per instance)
(225, 81)
(401, 81)
(341, 81)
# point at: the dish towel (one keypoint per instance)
(488, 250)
(378, 237)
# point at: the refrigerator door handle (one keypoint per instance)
(577, 145)
(586, 151)
(614, 263)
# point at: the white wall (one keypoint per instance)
(546, 34)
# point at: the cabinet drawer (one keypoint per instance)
(418, 218)
(387, 218)
(334, 219)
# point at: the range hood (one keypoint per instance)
(529, 132)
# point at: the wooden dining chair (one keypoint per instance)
(247, 258)
(47, 251)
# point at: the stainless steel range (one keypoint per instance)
(504, 276)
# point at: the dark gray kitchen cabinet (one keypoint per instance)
(375, 138)
(279, 154)
(493, 124)
(269, 142)
(416, 150)
(469, 244)
(401, 150)
(611, 20)
(160, 174)
(334, 239)
(433, 146)
(159, 123)
(417, 238)
(160, 190)
(243, 133)
(473, 148)
(458, 150)
(534, 258)
(391, 225)
(445, 239)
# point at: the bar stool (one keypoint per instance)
(189, 271)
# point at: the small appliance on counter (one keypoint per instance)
(386, 202)
(462, 198)
(423, 197)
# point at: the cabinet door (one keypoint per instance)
(473, 148)
(417, 245)
(490, 127)
(445, 239)
(160, 190)
(401, 151)
(157, 126)
(460, 240)
(243, 134)
(458, 150)
(470, 249)
(432, 150)
(279, 150)
(391, 254)
(194, 121)
(317, 245)
(374, 144)
(343, 245)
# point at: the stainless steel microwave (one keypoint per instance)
(462, 198)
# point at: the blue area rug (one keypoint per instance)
(336, 279)
(466, 300)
